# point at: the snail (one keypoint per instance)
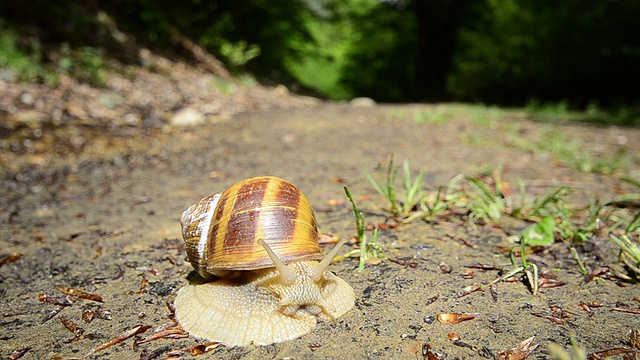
(255, 247)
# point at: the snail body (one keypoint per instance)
(259, 239)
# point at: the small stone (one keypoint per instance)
(132, 119)
(27, 99)
(111, 100)
(362, 102)
(281, 90)
(98, 111)
(29, 118)
(187, 117)
(76, 110)
(162, 288)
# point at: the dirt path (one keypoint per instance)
(108, 224)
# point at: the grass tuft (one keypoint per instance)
(412, 202)
(571, 152)
(488, 200)
(385, 186)
(368, 248)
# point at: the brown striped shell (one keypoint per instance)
(221, 231)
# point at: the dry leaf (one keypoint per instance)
(519, 352)
(455, 318)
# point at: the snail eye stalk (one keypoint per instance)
(287, 276)
(324, 264)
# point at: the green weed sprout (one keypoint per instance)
(600, 164)
(490, 204)
(548, 204)
(441, 202)
(629, 252)
(631, 198)
(539, 234)
(570, 152)
(412, 194)
(577, 352)
(634, 225)
(484, 203)
(368, 248)
(385, 186)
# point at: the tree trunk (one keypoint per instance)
(438, 22)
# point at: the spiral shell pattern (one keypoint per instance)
(221, 231)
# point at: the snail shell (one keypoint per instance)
(263, 232)
(221, 231)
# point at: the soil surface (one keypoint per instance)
(103, 218)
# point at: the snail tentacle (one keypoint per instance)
(324, 264)
(287, 276)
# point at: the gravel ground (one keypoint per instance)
(92, 203)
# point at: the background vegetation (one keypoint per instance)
(508, 52)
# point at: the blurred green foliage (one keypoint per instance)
(236, 31)
(576, 51)
(18, 64)
(380, 59)
(249, 35)
(582, 55)
(85, 64)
